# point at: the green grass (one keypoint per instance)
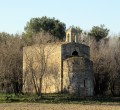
(58, 98)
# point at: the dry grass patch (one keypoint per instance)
(39, 106)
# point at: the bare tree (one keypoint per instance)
(11, 64)
(105, 57)
(36, 60)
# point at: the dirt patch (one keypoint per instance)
(37, 106)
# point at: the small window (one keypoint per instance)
(84, 83)
(75, 53)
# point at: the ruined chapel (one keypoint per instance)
(69, 68)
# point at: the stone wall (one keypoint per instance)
(68, 68)
(51, 82)
(69, 48)
(78, 76)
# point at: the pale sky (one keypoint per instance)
(14, 14)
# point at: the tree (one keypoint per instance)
(50, 25)
(106, 65)
(4, 37)
(10, 63)
(36, 65)
(99, 32)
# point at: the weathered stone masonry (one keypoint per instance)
(75, 70)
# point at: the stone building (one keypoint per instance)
(69, 68)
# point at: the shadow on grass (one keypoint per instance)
(67, 98)
(58, 98)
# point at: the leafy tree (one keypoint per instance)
(99, 32)
(50, 25)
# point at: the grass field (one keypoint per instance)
(57, 102)
(39, 106)
(58, 98)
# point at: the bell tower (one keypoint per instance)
(71, 35)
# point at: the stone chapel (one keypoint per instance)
(69, 68)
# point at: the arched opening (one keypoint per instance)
(68, 37)
(75, 53)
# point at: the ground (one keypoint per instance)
(39, 106)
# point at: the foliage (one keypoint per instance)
(10, 63)
(105, 57)
(49, 25)
(58, 98)
(4, 36)
(79, 30)
(106, 65)
(99, 32)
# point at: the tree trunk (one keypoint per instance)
(40, 88)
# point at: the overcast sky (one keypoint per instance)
(14, 14)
